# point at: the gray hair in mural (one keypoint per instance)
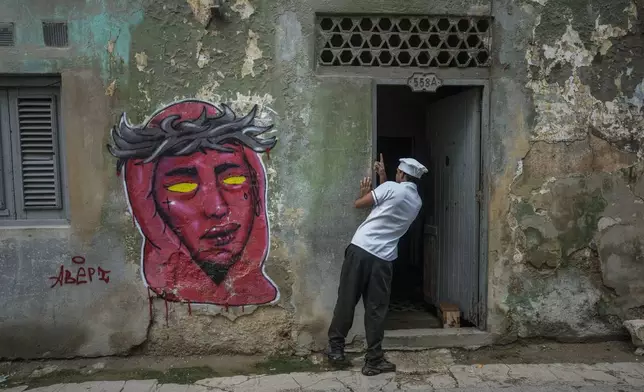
(179, 138)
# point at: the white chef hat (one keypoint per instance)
(412, 167)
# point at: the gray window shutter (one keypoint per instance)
(36, 155)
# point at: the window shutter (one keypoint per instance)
(6, 34)
(38, 148)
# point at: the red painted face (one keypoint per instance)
(206, 199)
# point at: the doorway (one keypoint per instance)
(438, 258)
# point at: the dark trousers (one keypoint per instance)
(363, 274)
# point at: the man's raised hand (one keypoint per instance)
(379, 168)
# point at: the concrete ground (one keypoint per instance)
(525, 366)
(625, 377)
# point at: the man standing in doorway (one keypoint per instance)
(368, 264)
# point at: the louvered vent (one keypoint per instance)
(430, 41)
(55, 34)
(6, 34)
(37, 126)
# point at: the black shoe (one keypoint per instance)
(336, 356)
(375, 368)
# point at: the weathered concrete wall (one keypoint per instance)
(565, 259)
(92, 319)
(264, 54)
(564, 170)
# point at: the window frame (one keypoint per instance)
(14, 215)
(6, 161)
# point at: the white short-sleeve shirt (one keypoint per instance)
(396, 206)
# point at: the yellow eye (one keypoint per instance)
(183, 187)
(235, 180)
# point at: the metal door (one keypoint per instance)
(452, 235)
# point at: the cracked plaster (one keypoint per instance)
(580, 145)
(202, 10)
(566, 112)
(253, 53)
(244, 8)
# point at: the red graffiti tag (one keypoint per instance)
(81, 275)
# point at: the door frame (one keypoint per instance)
(450, 79)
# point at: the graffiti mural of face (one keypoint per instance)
(196, 186)
(206, 199)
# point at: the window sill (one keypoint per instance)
(34, 224)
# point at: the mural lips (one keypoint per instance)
(222, 235)
(197, 190)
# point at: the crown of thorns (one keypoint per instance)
(174, 138)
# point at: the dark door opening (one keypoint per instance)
(438, 258)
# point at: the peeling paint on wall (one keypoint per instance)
(566, 112)
(141, 61)
(572, 191)
(288, 36)
(202, 10)
(638, 97)
(111, 88)
(91, 32)
(203, 58)
(253, 53)
(208, 90)
(244, 8)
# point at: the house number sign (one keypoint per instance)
(424, 82)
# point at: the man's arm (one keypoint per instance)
(366, 199)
